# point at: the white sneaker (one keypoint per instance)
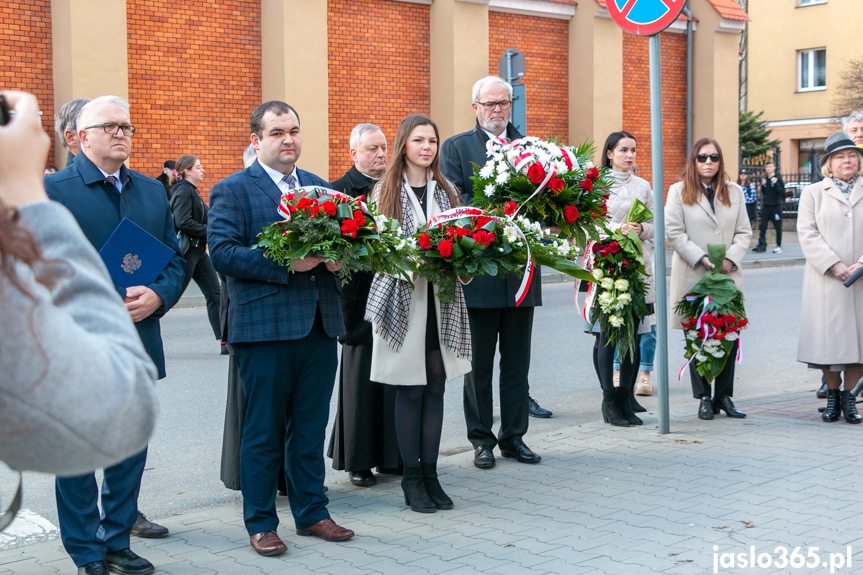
(777, 250)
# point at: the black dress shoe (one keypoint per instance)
(725, 404)
(483, 458)
(95, 568)
(822, 391)
(363, 478)
(145, 528)
(521, 452)
(759, 248)
(126, 562)
(534, 409)
(705, 408)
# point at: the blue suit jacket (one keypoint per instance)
(458, 156)
(98, 207)
(266, 301)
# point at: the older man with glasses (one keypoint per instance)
(490, 301)
(100, 191)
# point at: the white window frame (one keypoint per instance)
(804, 3)
(807, 58)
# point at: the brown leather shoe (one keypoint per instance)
(328, 530)
(267, 543)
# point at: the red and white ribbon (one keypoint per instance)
(473, 213)
(586, 263)
(300, 192)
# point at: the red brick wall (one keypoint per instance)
(26, 57)
(194, 79)
(378, 69)
(545, 45)
(636, 103)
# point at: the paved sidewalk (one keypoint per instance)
(603, 500)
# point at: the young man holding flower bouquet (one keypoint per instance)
(283, 326)
(491, 301)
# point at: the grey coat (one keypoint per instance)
(77, 391)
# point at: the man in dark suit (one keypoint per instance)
(364, 434)
(283, 327)
(491, 301)
(100, 191)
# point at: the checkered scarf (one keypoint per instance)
(390, 298)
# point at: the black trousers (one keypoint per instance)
(771, 214)
(513, 325)
(200, 268)
(724, 381)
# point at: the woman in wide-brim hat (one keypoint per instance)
(830, 230)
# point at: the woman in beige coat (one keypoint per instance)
(830, 229)
(706, 208)
(418, 342)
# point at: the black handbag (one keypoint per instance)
(184, 241)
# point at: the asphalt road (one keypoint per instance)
(182, 471)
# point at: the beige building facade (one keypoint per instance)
(797, 52)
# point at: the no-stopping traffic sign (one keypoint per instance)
(644, 17)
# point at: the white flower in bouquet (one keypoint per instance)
(497, 157)
(711, 344)
(502, 178)
(700, 357)
(381, 221)
(732, 336)
(488, 190)
(598, 274)
(502, 167)
(717, 352)
(607, 283)
(486, 171)
(621, 284)
(562, 249)
(691, 334)
(618, 305)
(510, 233)
(605, 298)
(615, 321)
(624, 298)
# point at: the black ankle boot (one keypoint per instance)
(833, 408)
(414, 488)
(705, 409)
(436, 493)
(636, 407)
(849, 407)
(610, 412)
(624, 395)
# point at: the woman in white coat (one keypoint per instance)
(706, 208)
(830, 230)
(419, 342)
(618, 154)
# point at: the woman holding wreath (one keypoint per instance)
(705, 208)
(827, 216)
(412, 327)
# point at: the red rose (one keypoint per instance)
(614, 247)
(483, 238)
(556, 185)
(596, 247)
(425, 242)
(445, 248)
(603, 252)
(284, 233)
(480, 221)
(304, 203)
(329, 208)
(586, 185)
(509, 208)
(570, 213)
(360, 217)
(293, 209)
(625, 262)
(592, 173)
(349, 228)
(536, 173)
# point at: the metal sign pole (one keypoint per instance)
(661, 304)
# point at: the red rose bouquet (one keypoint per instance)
(616, 298)
(713, 315)
(470, 242)
(547, 183)
(336, 227)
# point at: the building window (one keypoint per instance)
(813, 70)
(811, 2)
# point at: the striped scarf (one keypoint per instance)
(389, 300)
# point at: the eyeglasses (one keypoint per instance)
(111, 128)
(704, 157)
(505, 105)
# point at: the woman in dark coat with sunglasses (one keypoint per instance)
(706, 208)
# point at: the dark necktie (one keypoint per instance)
(290, 181)
(711, 193)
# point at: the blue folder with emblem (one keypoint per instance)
(133, 256)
